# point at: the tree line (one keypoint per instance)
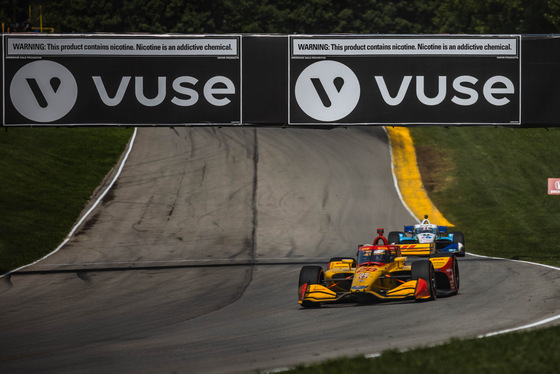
(283, 16)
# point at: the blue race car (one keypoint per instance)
(426, 232)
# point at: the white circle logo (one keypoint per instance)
(327, 91)
(43, 91)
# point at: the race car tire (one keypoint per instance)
(456, 275)
(394, 237)
(311, 275)
(458, 237)
(446, 283)
(425, 270)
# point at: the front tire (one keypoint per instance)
(425, 270)
(310, 275)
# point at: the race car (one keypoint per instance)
(426, 232)
(380, 273)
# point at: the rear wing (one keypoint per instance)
(424, 249)
(410, 229)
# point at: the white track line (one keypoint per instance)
(538, 323)
(535, 324)
(69, 236)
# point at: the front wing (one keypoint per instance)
(319, 294)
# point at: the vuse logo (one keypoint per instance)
(43, 91)
(327, 91)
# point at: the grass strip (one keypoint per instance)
(514, 353)
(47, 176)
(492, 184)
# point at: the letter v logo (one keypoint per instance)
(43, 91)
(327, 91)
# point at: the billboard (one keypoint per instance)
(405, 80)
(280, 80)
(136, 80)
(554, 186)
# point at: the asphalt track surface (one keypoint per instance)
(190, 263)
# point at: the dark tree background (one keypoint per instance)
(284, 16)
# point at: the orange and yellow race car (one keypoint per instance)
(382, 272)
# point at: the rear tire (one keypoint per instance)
(455, 267)
(456, 274)
(394, 237)
(425, 270)
(458, 237)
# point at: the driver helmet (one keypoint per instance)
(382, 256)
(423, 229)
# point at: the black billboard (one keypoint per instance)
(405, 80)
(140, 80)
(280, 80)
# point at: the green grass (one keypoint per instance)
(495, 188)
(47, 176)
(491, 183)
(527, 352)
